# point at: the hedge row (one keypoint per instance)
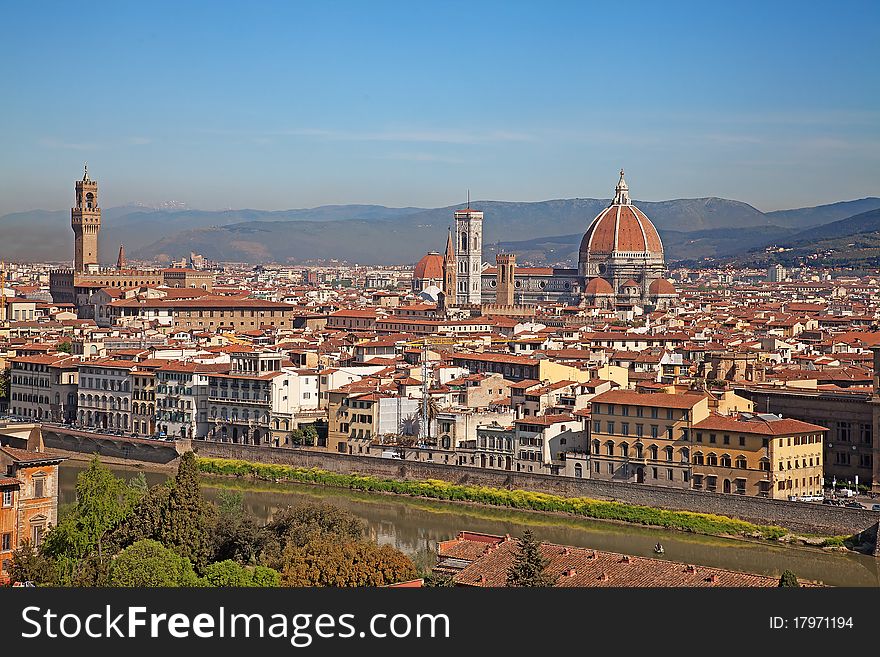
(701, 523)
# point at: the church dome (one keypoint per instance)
(429, 267)
(621, 228)
(598, 286)
(661, 286)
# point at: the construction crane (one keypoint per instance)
(424, 343)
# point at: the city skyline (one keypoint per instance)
(301, 106)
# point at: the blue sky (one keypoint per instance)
(295, 104)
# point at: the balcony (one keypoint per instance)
(237, 401)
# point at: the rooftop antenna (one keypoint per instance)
(468, 199)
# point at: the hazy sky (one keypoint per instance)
(295, 104)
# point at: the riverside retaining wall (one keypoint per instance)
(134, 449)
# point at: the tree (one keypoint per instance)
(190, 518)
(438, 580)
(265, 577)
(64, 347)
(231, 574)
(310, 435)
(789, 580)
(429, 411)
(236, 535)
(31, 565)
(298, 525)
(4, 384)
(529, 567)
(77, 543)
(176, 515)
(149, 563)
(327, 562)
(146, 519)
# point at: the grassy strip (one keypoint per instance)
(701, 523)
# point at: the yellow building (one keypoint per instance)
(684, 441)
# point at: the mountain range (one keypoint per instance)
(545, 232)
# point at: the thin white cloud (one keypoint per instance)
(138, 141)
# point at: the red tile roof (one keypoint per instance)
(583, 567)
(657, 399)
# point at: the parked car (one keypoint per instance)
(853, 505)
(875, 507)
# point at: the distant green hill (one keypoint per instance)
(540, 232)
(860, 223)
(822, 214)
(854, 241)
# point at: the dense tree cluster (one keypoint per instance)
(126, 534)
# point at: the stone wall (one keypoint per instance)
(797, 516)
(148, 451)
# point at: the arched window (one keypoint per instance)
(741, 462)
(609, 448)
(464, 241)
(596, 447)
(725, 460)
(624, 450)
(638, 450)
(668, 451)
(685, 455)
(653, 450)
(712, 459)
(578, 470)
(698, 458)
(765, 464)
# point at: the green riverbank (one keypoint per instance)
(700, 523)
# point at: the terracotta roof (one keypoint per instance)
(620, 228)
(26, 456)
(661, 286)
(757, 425)
(430, 266)
(583, 567)
(658, 399)
(598, 285)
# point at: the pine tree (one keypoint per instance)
(189, 519)
(529, 568)
(788, 580)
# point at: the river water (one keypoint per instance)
(415, 526)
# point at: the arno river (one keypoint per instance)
(415, 526)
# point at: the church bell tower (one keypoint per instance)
(85, 219)
(468, 254)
